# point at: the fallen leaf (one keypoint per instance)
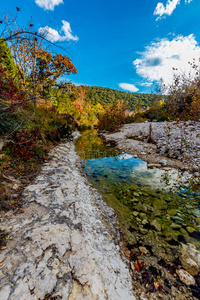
(1, 264)
(156, 284)
(94, 228)
(5, 247)
(139, 266)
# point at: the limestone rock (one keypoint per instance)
(5, 292)
(156, 225)
(163, 162)
(172, 212)
(175, 226)
(192, 252)
(190, 229)
(141, 207)
(189, 265)
(185, 277)
(63, 245)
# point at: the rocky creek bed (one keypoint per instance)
(67, 243)
(177, 143)
(158, 210)
(64, 244)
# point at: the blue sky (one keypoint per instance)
(126, 45)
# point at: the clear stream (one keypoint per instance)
(160, 207)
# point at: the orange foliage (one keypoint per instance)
(45, 104)
(114, 116)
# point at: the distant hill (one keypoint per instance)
(106, 96)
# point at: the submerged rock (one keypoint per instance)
(175, 226)
(177, 220)
(159, 204)
(141, 207)
(156, 225)
(134, 200)
(190, 229)
(172, 212)
(189, 265)
(185, 277)
(136, 194)
(135, 213)
(145, 222)
(192, 252)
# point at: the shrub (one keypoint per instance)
(163, 118)
(22, 144)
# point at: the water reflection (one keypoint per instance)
(142, 195)
(135, 170)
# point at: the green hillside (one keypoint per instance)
(106, 96)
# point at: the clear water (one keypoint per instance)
(142, 196)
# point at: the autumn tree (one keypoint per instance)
(114, 116)
(37, 67)
(184, 94)
(49, 67)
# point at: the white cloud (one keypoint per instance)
(48, 4)
(171, 5)
(54, 36)
(161, 10)
(68, 32)
(146, 84)
(128, 87)
(159, 58)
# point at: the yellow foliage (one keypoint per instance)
(42, 103)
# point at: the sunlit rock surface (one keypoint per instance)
(62, 245)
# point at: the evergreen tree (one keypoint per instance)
(6, 60)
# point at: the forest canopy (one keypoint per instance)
(105, 96)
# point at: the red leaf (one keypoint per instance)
(18, 9)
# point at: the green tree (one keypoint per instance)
(6, 60)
